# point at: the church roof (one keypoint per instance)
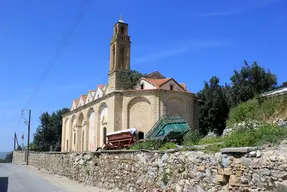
(101, 86)
(84, 97)
(183, 85)
(156, 82)
(76, 101)
(159, 82)
(156, 75)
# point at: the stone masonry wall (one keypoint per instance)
(186, 171)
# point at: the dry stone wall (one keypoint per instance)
(185, 171)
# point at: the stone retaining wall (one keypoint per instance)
(186, 171)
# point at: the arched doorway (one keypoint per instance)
(140, 135)
(103, 122)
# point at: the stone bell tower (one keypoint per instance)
(119, 55)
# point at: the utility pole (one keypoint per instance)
(14, 141)
(28, 140)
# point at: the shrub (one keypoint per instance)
(243, 112)
(192, 137)
(253, 110)
(167, 146)
(266, 133)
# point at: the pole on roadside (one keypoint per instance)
(14, 141)
(28, 142)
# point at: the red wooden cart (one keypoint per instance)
(120, 139)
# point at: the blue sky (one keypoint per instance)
(185, 39)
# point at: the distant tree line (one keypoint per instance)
(216, 100)
(8, 158)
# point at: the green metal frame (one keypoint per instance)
(168, 127)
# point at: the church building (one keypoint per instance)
(113, 107)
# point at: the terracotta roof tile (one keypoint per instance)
(156, 82)
(183, 85)
(84, 97)
(76, 101)
(101, 86)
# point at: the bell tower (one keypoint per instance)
(119, 55)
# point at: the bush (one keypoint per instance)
(192, 137)
(243, 137)
(167, 146)
(243, 112)
(253, 110)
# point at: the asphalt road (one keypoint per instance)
(21, 178)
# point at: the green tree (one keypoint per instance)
(130, 78)
(213, 107)
(8, 158)
(250, 81)
(49, 132)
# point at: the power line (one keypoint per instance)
(61, 46)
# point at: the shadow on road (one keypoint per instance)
(3, 184)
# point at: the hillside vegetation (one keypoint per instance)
(267, 110)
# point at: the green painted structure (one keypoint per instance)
(169, 128)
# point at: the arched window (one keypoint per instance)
(122, 29)
(142, 86)
(122, 56)
(105, 135)
(171, 87)
(114, 53)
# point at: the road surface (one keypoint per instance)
(21, 178)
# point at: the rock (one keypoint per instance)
(232, 179)
(227, 171)
(272, 158)
(265, 172)
(208, 172)
(178, 188)
(258, 154)
(245, 161)
(244, 180)
(225, 161)
(201, 168)
(257, 180)
(218, 156)
(238, 150)
(252, 153)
